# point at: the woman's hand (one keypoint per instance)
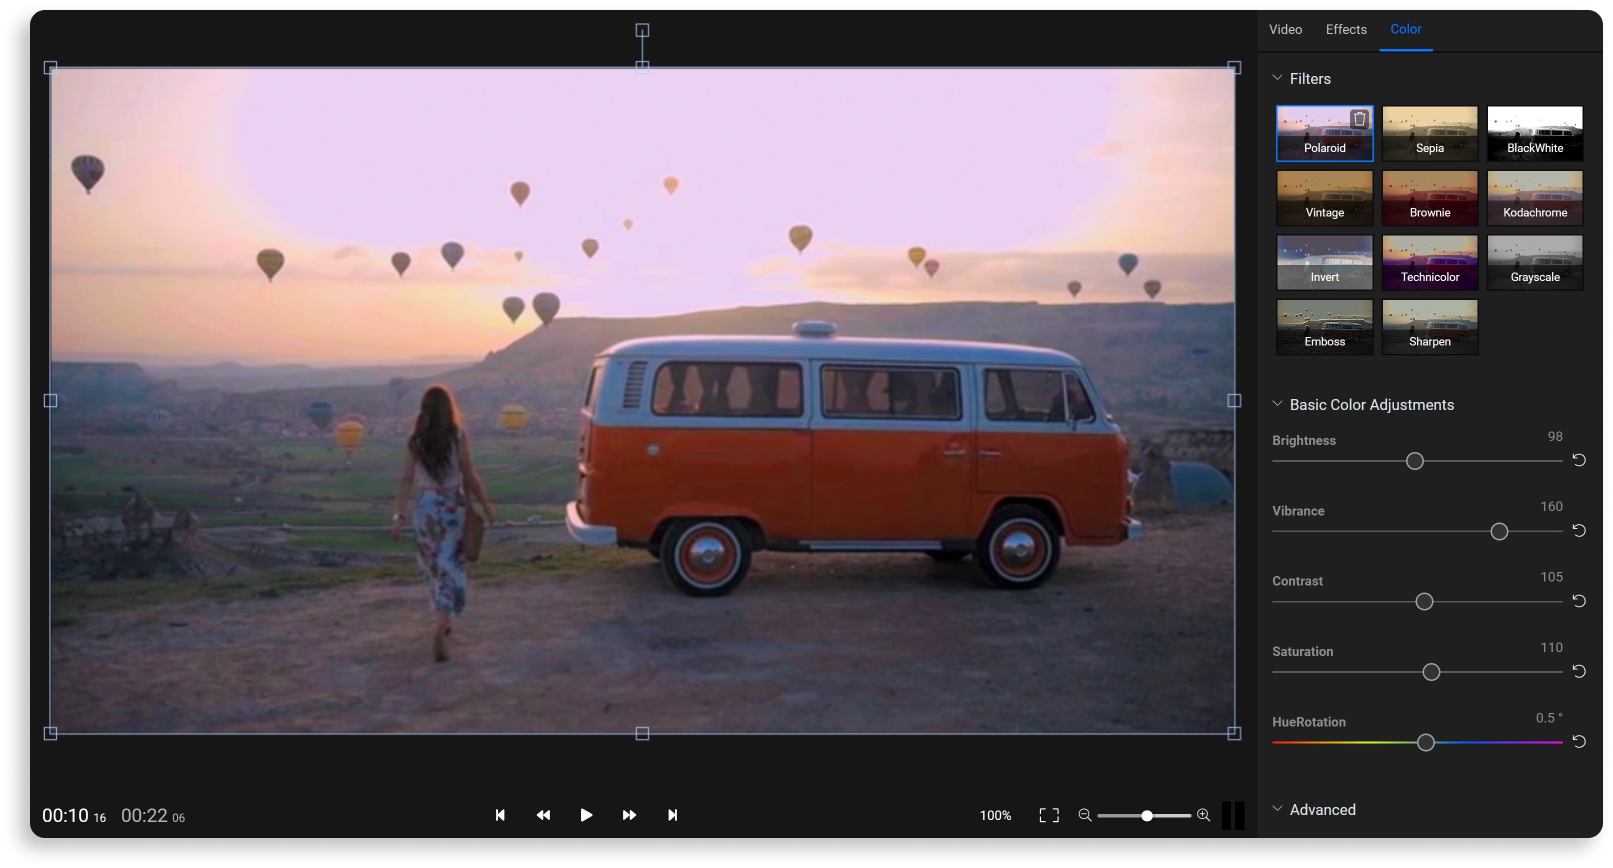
(397, 528)
(492, 516)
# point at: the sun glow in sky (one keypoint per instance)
(1016, 181)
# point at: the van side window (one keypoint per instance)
(1080, 406)
(695, 388)
(903, 393)
(1014, 395)
(588, 395)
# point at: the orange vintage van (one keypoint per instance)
(703, 450)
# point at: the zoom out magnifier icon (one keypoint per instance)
(1204, 815)
(1084, 814)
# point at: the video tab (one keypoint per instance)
(1324, 327)
(1325, 133)
(1430, 133)
(1324, 198)
(1536, 134)
(1324, 262)
(1430, 262)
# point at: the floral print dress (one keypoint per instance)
(440, 511)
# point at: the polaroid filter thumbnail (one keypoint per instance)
(1325, 133)
(1338, 197)
(1430, 262)
(1324, 262)
(1430, 133)
(1536, 134)
(1324, 327)
(1430, 327)
(1536, 262)
(1536, 198)
(1419, 198)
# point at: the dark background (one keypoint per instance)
(423, 785)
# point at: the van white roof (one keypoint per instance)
(717, 347)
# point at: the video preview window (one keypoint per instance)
(278, 297)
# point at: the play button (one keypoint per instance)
(585, 814)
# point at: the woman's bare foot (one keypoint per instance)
(439, 644)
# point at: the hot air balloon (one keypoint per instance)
(271, 261)
(546, 305)
(321, 413)
(512, 417)
(915, 255)
(932, 267)
(590, 247)
(800, 236)
(1128, 261)
(1152, 288)
(1074, 287)
(671, 185)
(513, 307)
(400, 261)
(627, 224)
(348, 436)
(452, 253)
(158, 420)
(88, 170)
(520, 191)
(519, 255)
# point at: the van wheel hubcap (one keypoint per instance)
(1020, 549)
(708, 554)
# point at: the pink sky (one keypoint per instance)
(1017, 181)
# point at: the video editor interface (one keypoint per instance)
(919, 426)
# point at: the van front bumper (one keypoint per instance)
(1134, 528)
(587, 534)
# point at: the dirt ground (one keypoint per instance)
(1135, 638)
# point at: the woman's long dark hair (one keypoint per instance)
(436, 430)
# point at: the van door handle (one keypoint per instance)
(955, 453)
(990, 453)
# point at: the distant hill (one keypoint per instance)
(87, 386)
(236, 377)
(1157, 365)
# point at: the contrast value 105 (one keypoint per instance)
(995, 815)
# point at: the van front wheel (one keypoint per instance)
(705, 557)
(1019, 549)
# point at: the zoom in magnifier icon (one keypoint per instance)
(1204, 815)
(1084, 814)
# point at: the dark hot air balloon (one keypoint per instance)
(932, 267)
(590, 247)
(271, 261)
(1128, 261)
(452, 253)
(520, 191)
(915, 255)
(513, 307)
(1152, 288)
(1074, 287)
(400, 261)
(321, 413)
(546, 305)
(800, 236)
(88, 170)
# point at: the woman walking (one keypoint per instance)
(438, 481)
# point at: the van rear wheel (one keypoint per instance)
(1019, 548)
(705, 557)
